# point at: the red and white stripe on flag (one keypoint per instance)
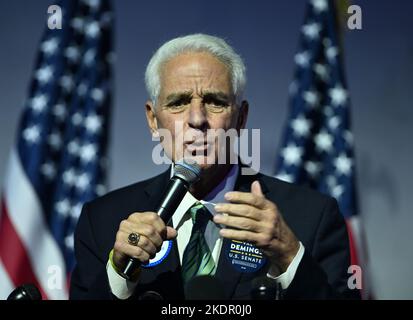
(28, 251)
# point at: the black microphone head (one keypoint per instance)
(187, 171)
(25, 292)
(204, 288)
(150, 295)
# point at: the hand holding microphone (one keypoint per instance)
(140, 236)
(150, 231)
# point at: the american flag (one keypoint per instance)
(317, 147)
(59, 160)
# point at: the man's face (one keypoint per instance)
(196, 95)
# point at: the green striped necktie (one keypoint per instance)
(197, 258)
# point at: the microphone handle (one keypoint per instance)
(174, 194)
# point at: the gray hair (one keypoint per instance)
(217, 47)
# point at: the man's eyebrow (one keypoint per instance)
(217, 95)
(178, 95)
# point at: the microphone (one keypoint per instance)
(264, 288)
(184, 175)
(204, 288)
(150, 296)
(25, 292)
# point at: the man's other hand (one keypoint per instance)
(253, 218)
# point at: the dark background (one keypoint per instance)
(379, 66)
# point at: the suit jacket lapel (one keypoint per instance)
(155, 188)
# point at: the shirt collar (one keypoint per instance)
(216, 195)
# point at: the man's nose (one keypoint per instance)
(197, 115)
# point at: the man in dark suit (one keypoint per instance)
(230, 225)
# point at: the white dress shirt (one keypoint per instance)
(182, 222)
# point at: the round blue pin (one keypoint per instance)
(161, 255)
(245, 257)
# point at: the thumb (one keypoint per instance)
(170, 233)
(256, 188)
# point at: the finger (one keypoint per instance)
(256, 188)
(171, 233)
(246, 198)
(140, 228)
(238, 222)
(146, 244)
(151, 218)
(240, 210)
(143, 243)
(151, 233)
(259, 239)
(132, 251)
(240, 235)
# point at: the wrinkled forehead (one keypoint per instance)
(195, 71)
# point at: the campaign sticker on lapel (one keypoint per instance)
(161, 255)
(244, 257)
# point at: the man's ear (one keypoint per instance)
(242, 115)
(151, 118)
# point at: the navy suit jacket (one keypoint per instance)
(313, 217)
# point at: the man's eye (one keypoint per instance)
(217, 105)
(214, 102)
(175, 105)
